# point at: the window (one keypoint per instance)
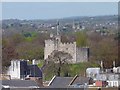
(66, 48)
(109, 83)
(115, 83)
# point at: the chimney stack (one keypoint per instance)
(33, 62)
(113, 63)
(101, 64)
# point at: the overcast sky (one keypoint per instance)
(50, 10)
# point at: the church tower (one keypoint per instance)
(78, 26)
(57, 37)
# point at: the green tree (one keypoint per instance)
(81, 39)
(8, 53)
(30, 51)
(106, 50)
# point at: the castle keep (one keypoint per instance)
(79, 54)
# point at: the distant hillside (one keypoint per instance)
(66, 19)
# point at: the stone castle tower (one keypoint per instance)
(78, 54)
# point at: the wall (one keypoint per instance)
(78, 54)
(114, 83)
(49, 48)
(69, 48)
(14, 70)
(82, 54)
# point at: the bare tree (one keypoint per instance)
(59, 59)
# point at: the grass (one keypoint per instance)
(41, 63)
(32, 37)
(80, 68)
(73, 69)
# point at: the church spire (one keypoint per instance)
(73, 26)
(57, 27)
(58, 38)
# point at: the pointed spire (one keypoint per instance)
(78, 26)
(57, 27)
(73, 25)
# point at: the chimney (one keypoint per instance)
(101, 64)
(113, 63)
(33, 62)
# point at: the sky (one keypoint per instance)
(51, 10)
(60, 0)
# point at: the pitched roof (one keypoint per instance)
(60, 82)
(20, 83)
(35, 71)
(63, 82)
(81, 80)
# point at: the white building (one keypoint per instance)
(113, 83)
(92, 72)
(20, 69)
(14, 70)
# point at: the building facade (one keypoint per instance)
(20, 69)
(79, 54)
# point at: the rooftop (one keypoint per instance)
(19, 84)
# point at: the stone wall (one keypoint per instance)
(69, 48)
(78, 54)
(49, 48)
(82, 54)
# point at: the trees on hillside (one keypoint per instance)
(81, 39)
(30, 51)
(16, 46)
(103, 49)
(8, 53)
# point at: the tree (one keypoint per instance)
(104, 49)
(28, 50)
(17, 39)
(81, 38)
(8, 53)
(59, 60)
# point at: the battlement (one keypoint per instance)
(84, 47)
(79, 54)
(49, 41)
(68, 43)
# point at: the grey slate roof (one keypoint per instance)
(34, 71)
(61, 82)
(31, 70)
(20, 83)
(81, 80)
